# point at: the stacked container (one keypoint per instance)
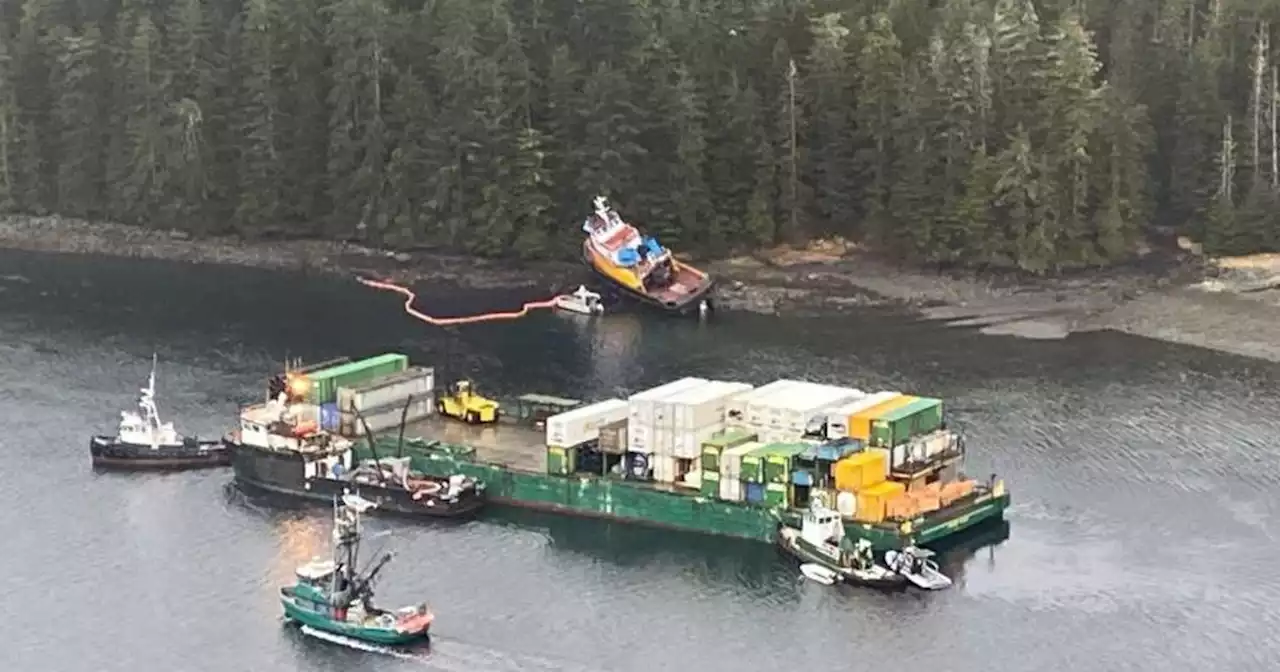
(325, 382)
(642, 413)
(897, 426)
(613, 437)
(840, 417)
(693, 416)
(731, 475)
(712, 450)
(860, 421)
(381, 401)
(873, 502)
(567, 433)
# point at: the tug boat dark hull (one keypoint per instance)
(107, 452)
(284, 474)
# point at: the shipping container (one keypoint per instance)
(753, 493)
(860, 422)
(731, 460)
(710, 483)
(381, 419)
(639, 438)
(779, 459)
(687, 444)
(713, 446)
(956, 490)
(838, 418)
(699, 407)
(752, 468)
(862, 470)
(730, 489)
(736, 408)
(761, 404)
(664, 469)
(330, 419)
(562, 460)
(873, 501)
(897, 426)
(802, 477)
(583, 424)
(418, 382)
(613, 437)
(325, 383)
(806, 405)
(777, 494)
(831, 451)
(641, 404)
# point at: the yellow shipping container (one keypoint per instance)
(860, 422)
(873, 500)
(861, 470)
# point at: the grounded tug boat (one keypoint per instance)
(332, 596)
(277, 449)
(143, 442)
(639, 266)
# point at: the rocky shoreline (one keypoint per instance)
(1235, 311)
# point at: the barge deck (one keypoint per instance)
(511, 459)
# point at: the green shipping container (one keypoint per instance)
(777, 466)
(325, 383)
(777, 494)
(562, 461)
(710, 484)
(753, 465)
(921, 416)
(712, 447)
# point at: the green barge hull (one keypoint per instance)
(515, 475)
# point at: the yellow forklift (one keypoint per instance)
(462, 403)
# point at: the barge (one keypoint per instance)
(718, 458)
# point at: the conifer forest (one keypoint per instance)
(1027, 134)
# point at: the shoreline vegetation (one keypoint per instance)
(1229, 304)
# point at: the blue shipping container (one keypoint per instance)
(329, 417)
(802, 477)
(755, 492)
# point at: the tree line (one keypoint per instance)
(1002, 133)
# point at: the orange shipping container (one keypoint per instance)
(927, 503)
(861, 470)
(900, 508)
(860, 422)
(872, 501)
(957, 490)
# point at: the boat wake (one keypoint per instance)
(449, 655)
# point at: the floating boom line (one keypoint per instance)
(410, 297)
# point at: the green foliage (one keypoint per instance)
(1004, 133)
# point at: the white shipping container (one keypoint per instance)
(417, 382)
(811, 404)
(378, 421)
(899, 456)
(641, 403)
(640, 439)
(664, 469)
(736, 409)
(838, 418)
(688, 444)
(702, 406)
(661, 444)
(731, 460)
(760, 408)
(731, 490)
(581, 425)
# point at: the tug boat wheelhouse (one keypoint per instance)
(639, 266)
(142, 441)
(277, 451)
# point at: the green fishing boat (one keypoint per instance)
(329, 595)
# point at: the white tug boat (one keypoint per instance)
(817, 545)
(142, 441)
(582, 301)
(918, 566)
